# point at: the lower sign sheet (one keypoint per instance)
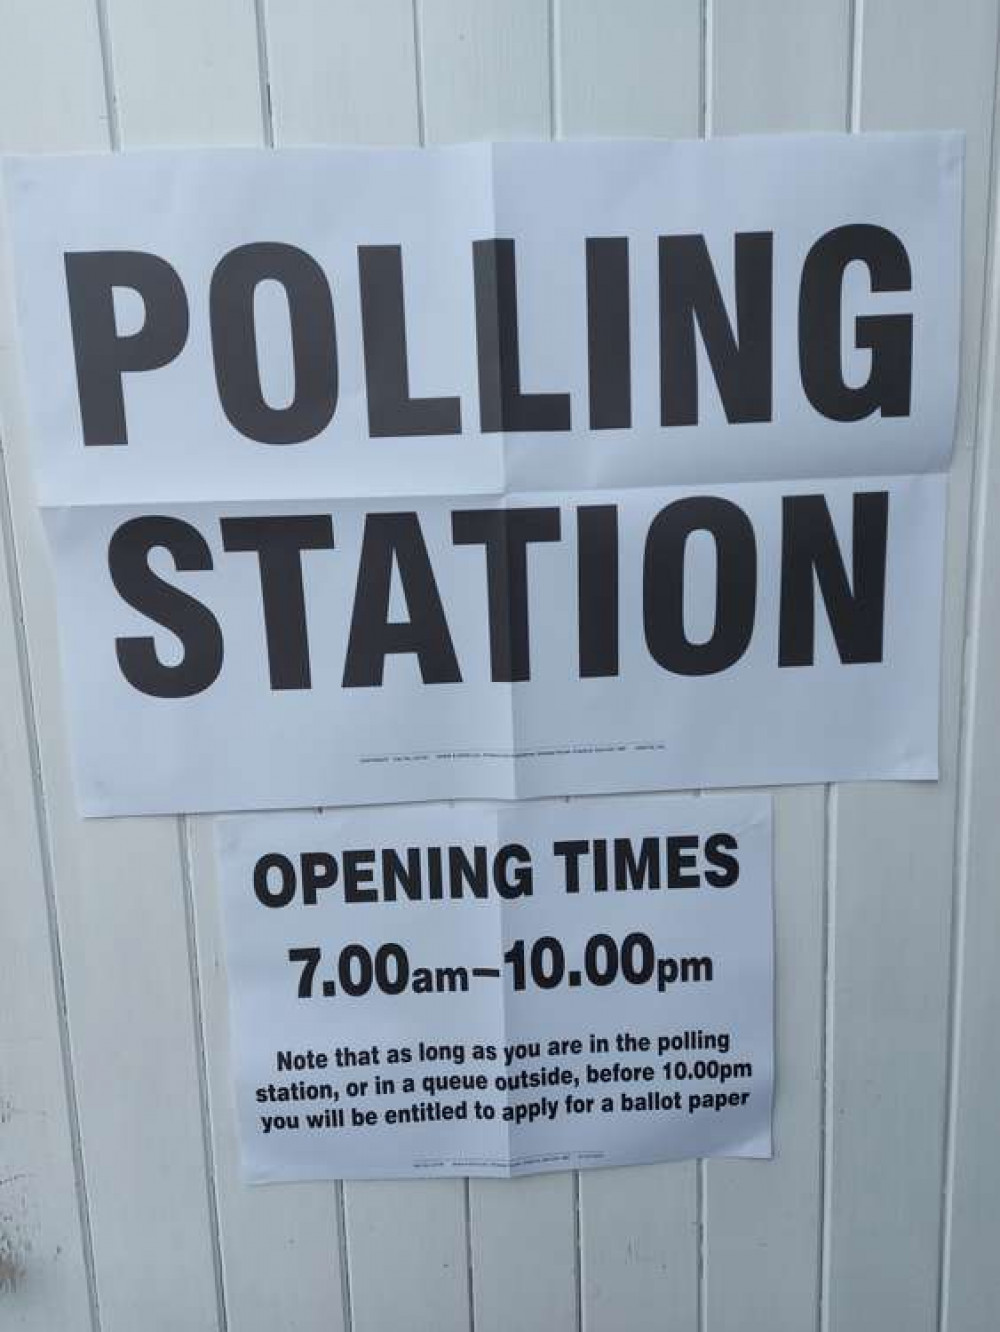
(500, 989)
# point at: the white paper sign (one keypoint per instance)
(499, 990)
(493, 471)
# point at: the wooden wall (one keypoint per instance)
(121, 1207)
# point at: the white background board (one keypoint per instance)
(474, 995)
(120, 1205)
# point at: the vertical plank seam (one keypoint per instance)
(705, 129)
(701, 1210)
(578, 1251)
(267, 113)
(201, 1059)
(555, 82)
(42, 833)
(855, 65)
(418, 73)
(554, 32)
(39, 800)
(194, 978)
(346, 1294)
(986, 374)
(470, 1282)
(264, 72)
(707, 91)
(827, 934)
(857, 28)
(107, 64)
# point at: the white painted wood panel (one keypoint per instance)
(485, 66)
(640, 1249)
(43, 1239)
(430, 1270)
(882, 1208)
(629, 68)
(45, 1272)
(524, 1253)
(971, 1241)
(484, 73)
(894, 854)
(280, 1246)
(777, 67)
(640, 1232)
(342, 72)
(116, 886)
(184, 72)
(120, 908)
(52, 92)
(278, 1249)
(408, 1255)
(761, 1247)
(44, 1254)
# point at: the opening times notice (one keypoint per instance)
(500, 989)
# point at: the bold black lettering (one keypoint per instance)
(319, 870)
(735, 588)
(193, 623)
(313, 341)
(359, 869)
(597, 589)
(681, 862)
(502, 405)
(609, 354)
(632, 871)
(462, 870)
(102, 354)
(599, 853)
(395, 875)
(285, 892)
(727, 867)
(278, 543)
(506, 533)
(435, 879)
(741, 363)
(856, 610)
(888, 337)
(391, 410)
(570, 853)
(396, 538)
(517, 882)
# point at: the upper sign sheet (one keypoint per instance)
(487, 319)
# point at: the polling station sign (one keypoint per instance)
(494, 470)
(499, 989)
